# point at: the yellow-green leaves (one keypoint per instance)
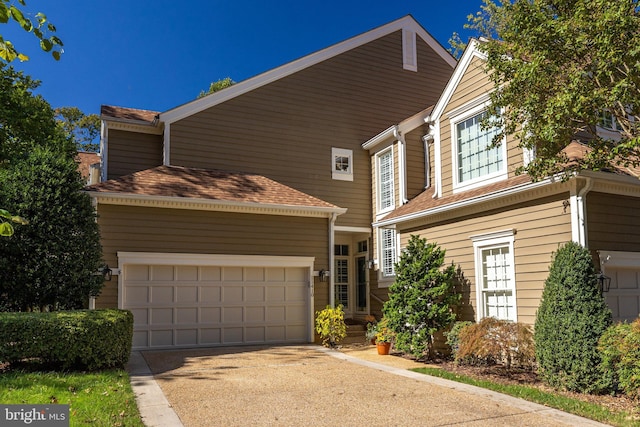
(38, 26)
(6, 228)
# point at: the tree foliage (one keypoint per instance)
(557, 66)
(421, 299)
(26, 120)
(571, 319)
(37, 25)
(217, 86)
(82, 129)
(49, 264)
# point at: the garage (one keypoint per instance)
(200, 300)
(623, 297)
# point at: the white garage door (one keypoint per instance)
(181, 300)
(624, 295)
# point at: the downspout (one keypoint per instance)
(402, 161)
(332, 239)
(427, 159)
(579, 213)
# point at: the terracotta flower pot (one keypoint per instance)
(383, 347)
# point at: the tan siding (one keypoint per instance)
(136, 229)
(130, 152)
(613, 222)
(540, 227)
(285, 130)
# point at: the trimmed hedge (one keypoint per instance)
(84, 339)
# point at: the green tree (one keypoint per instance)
(217, 86)
(43, 30)
(557, 67)
(26, 120)
(51, 263)
(570, 320)
(421, 299)
(82, 129)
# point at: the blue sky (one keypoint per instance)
(159, 54)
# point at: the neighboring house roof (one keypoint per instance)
(214, 188)
(576, 151)
(406, 24)
(110, 112)
(85, 160)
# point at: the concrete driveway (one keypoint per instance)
(313, 386)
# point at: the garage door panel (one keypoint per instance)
(162, 273)
(178, 305)
(161, 294)
(623, 297)
(186, 293)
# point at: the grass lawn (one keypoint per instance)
(100, 398)
(582, 408)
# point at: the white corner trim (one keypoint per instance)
(104, 150)
(166, 145)
(405, 23)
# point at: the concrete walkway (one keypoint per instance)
(314, 386)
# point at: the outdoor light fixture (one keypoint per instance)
(106, 272)
(324, 274)
(604, 283)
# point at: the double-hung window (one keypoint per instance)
(388, 251)
(495, 276)
(476, 162)
(386, 194)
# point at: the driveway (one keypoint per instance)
(313, 386)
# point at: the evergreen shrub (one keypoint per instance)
(421, 299)
(570, 320)
(84, 339)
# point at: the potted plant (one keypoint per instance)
(384, 337)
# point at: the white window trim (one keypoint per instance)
(341, 175)
(378, 155)
(475, 107)
(485, 241)
(384, 281)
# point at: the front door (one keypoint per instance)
(361, 284)
(350, 279)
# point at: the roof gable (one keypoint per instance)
(407, 24)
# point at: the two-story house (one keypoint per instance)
(434, 176)
(233, 218)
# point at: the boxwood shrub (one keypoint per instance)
(84, 339)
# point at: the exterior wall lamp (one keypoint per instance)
(106, 272)
(604, 283)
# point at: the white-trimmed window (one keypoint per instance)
(388, 252)
(495, 275)
(385, 181)
(475, 162)
(342, 164)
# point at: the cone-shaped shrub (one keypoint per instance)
(571, 319)
(421, 299)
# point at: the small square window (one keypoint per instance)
(342, 164)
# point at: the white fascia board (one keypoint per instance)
(403, 127)
(252, 83)
(213, 205)
(470, 52)
(465, 203)
(383, 136)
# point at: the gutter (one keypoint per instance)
(464, 203)
(578, 205)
